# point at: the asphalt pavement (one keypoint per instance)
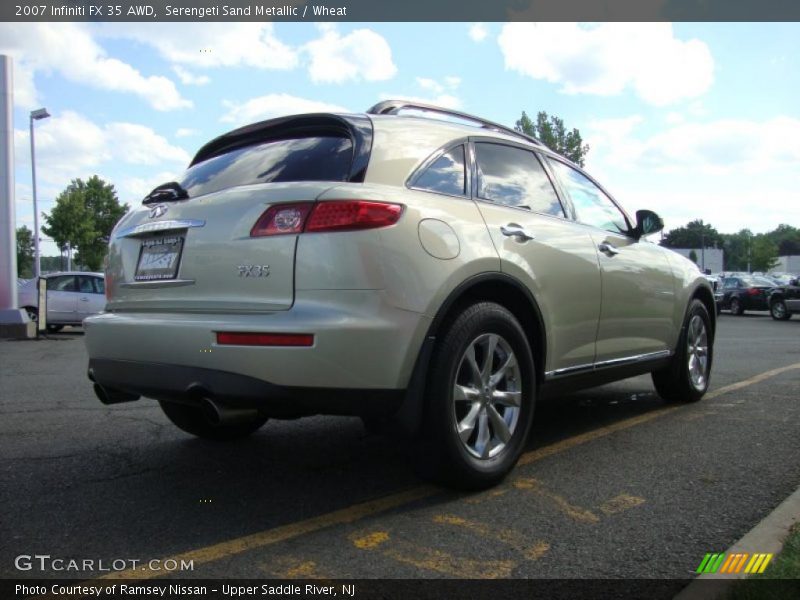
(615, 483)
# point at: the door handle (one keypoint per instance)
(516, 231)
(607, 248)
(84, 299)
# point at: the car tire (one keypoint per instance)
(736, 307)
(192, 419)
(686, 378)
(478, 412)
(33, 313)
(778, 310)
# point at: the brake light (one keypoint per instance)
(227, 338)
(333, 215)
(348, 215)
(754, 291)
(282, 219)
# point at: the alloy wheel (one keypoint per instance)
(697, 352)
(487, 396)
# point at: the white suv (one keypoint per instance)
(442, 272)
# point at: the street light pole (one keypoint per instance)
(36, 115)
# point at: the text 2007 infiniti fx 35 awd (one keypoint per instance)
(443, 272)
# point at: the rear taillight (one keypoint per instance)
(282, 219)
(231, 338)
(334, 215)
(347, 215)
(754, 291)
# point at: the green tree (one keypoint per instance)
(787, 239)
(24, 252)
(693, 256)
(736, 247)
(693, 235)
(83, 217)
(553, 134)
(764, 254)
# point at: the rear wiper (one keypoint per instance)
(166, 192)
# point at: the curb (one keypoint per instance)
(766, 537)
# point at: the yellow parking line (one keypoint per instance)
(621, 503)
(285, 532)
(373, 507)
(575, 513)
(517, 541)
(430, 559)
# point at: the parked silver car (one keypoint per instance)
(389, 264)
(71, 297)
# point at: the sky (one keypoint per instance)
(694, 121)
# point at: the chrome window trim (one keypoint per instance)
(157, 226)
(614, 362)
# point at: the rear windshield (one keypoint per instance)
(298, 159)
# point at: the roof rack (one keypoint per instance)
(391, 107)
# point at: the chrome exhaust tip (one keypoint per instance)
(110, 396)
(219, 414)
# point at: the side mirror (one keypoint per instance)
(647, 222)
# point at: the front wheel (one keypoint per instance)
(686, 378)
(736, 307)
(779, 311)
(192, 419)
(480, 398)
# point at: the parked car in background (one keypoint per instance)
(784, 301)
(744, 292)
(444, 274)
(71, 297)
(783, 278)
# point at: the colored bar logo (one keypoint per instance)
(734, 563)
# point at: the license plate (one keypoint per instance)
(159, 258)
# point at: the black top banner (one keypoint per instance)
(401, 10)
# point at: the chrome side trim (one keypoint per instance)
(157, 283)
(614, 362)
(170, 225)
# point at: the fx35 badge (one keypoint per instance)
(253, 270)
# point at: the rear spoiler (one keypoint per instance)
(357, 128)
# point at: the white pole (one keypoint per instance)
(37, 269)
(8, 231)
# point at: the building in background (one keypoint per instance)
(708, 259)
(788, 264)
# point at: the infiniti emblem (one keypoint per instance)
(158, 210)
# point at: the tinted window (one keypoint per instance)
(99, 285)
(445, 175)
(62, 283)
(515, 177)
(300, 159)
(592, 206)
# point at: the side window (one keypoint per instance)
(445, 175)
(99, 285)
(85, 284)
(515, 177)
(592, 206)
(63, 283)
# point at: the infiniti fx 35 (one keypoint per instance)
(410, 263)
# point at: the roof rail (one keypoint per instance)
(390, 107)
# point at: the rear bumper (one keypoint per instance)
(360, 343)
(190, 384)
